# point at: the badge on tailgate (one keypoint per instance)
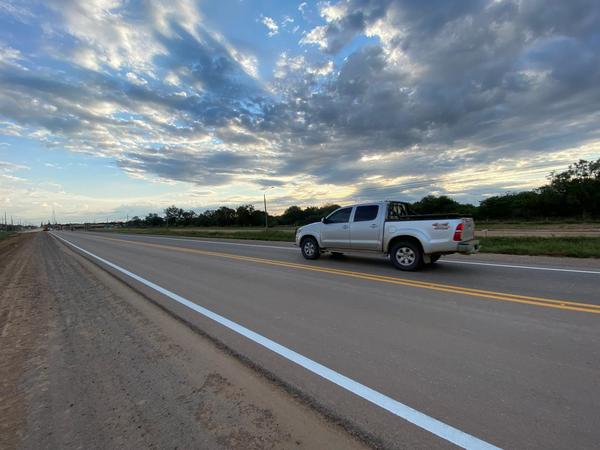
(441, 226)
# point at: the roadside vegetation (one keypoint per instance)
(6, 235)
(564, 224)
(576, 247)
(272, 234)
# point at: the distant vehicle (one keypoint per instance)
(389, 228)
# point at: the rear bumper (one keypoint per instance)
(468, 247)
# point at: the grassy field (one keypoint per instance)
(578, 247)
(5, 235)
(272, 234)
(538, 225)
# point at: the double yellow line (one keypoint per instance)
(480, 293)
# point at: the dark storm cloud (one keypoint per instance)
(213, 168)
(502, 76)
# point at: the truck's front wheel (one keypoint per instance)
(310, 248)
(406, 255)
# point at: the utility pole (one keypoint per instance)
(265, 200)
(266, 215)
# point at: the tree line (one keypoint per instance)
(574, 193)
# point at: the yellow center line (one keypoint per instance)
(480, 293)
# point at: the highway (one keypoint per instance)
(483, 351)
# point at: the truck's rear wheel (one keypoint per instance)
(310, 248)
(406, 255)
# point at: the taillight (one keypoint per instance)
(458, 232)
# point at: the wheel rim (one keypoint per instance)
(405, 256)
(309, 248)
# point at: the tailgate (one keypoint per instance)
(469, 229)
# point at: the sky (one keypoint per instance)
(115, 108)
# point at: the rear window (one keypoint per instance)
(396, 211)
(365, 213)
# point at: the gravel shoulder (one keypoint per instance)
(89, 363)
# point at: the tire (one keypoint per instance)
(310, 248)
(406, 255)
(336, 255)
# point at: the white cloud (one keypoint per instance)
(135, 79)
(322, 69)
(271, 25)
(316, 36)
(333, 12)
(9, 54)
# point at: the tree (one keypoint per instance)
(292, 216)
(225, 217)
(135, 222)
(173, 215)
(576, 191)
(246, 215)
(154, 220)
(436, 205)
(187, 218)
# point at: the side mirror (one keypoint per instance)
(323, 220)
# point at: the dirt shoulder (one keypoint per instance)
(88, 363)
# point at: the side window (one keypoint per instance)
(365, 213)
(340, 216)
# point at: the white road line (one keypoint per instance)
(511, 266)
(401, 410)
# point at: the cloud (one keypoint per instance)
(6, 167)
(486, 74)
(207, 168)
(271, 25)
(345, 20)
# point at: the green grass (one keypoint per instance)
(540, 225)
(577, 247)
(6, 234)
(233, 233)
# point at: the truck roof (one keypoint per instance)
(375, 202)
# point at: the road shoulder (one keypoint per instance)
(93, 364)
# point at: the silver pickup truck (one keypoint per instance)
(389, 228)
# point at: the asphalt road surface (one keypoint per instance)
(488, 350)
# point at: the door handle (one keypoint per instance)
(345, 227)
(373, 225)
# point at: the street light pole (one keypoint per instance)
(266, 215)
(265, 200)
